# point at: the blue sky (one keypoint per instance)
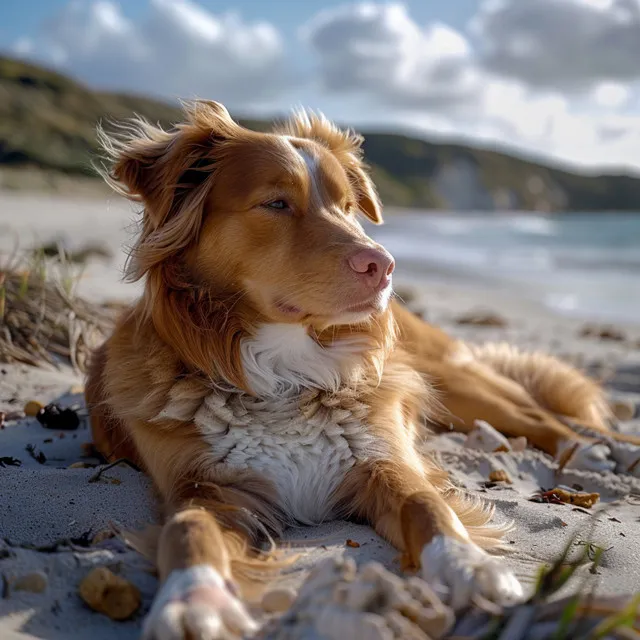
(23, 18)
(556, 78)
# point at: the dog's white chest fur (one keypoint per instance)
(304, 446)
(303, 430)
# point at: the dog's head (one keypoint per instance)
(243, 229)
(272, 217)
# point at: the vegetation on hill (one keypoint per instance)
(47, 123)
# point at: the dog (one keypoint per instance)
(266, 377)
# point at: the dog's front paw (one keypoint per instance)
(585, 456)
(197, 603)
(459, 570)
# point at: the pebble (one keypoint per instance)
(35, 582)
(110, 594)
(14, 415)
(278, 600)
(32, 408)
(485, 438)
(101, 536)
(499, 475)
(623, 409)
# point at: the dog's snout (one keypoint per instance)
(373, 266)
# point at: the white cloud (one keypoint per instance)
(556, 77)
(379, 50)
(611, 95)
(561, 44)
(180, 49)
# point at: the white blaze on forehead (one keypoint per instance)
(311, 163)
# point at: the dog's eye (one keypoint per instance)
(280, 205)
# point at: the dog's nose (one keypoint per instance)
(374, 266)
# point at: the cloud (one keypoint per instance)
(555, 77)
(179, 50)
(569, 45)
(378, 50)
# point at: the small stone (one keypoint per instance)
(278, 600)
(32, 408)
(35, 582)
(101, 536)
(482, 319)
(14, 415)
(518, 444)
(81, 465)
(623, 409)
(352, 543)
(109, 594)
(499, 475)
(485, 438)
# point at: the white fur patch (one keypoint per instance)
(459, 570)
(282, 359)
(196, 602)
(311, 163)
(304, 448)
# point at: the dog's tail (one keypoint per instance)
(553, 384)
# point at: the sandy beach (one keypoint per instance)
(52, 508)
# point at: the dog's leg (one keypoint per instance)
(197, 598)
(204, 548)
(404, 507)
(438, 543)
(469, 398)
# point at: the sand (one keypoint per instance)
(58, 509)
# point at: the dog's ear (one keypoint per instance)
(160, 167)
(366, 193)
(346, 145)
(170, 172)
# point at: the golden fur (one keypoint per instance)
(217, 265)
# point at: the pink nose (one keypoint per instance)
(373, 266)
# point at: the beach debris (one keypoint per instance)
(338, 601)
(482, 319)
(485, 438)
(623, 409)
(102, 535)
(604, 332)
(564, 495)
(352, 543)
(38, 456)
(53, 416)
(518, 444)
(499, 475)
(278, 600)
(35, 582)
(8, 461)
(44, 324)
(82, 465)
(32, 408)
(98, 475)
(107, 593)
(9, 416)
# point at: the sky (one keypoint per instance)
(557, 79)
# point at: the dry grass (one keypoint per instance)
(42, 322)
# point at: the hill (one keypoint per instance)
(47, 125)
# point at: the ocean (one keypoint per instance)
(581, 265)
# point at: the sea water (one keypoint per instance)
(583, 265)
